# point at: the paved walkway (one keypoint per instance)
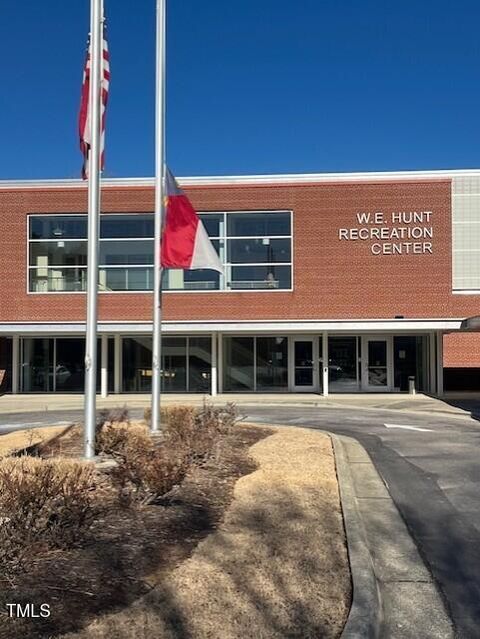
(430, 465)
(459, 404)
(387, 570)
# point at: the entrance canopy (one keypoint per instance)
(268, 326)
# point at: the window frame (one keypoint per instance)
(222, 239)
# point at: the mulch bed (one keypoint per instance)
(130, 550)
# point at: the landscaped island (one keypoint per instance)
(214, 529)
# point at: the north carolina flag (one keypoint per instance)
(185, 243)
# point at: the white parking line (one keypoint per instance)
(424, 430)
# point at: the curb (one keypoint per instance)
(394, 593)
(365, 616)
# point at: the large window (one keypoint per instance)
(56, 364)
(255, 363)
(186, 364)
(255, 247)
(58, 253)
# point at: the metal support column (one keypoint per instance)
(104, 365)
(220, 363)
(432, 372)
(117, 364)
(15, 363)
(439, 364)
(325, 364)
(213, 371)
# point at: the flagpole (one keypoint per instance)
(159, 207)
(96, 31)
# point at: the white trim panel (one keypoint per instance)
(221, 180)
(341, 326)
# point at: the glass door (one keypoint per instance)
(377, 363)
(305, 370)
(343, 364)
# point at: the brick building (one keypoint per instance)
(334, 282)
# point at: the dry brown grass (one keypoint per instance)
(21, 439)
(276, 568)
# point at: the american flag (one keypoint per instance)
(84, 117)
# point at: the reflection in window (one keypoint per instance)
(258, 224)
(179, 355)
(43, 227)
(128, 226)
(255, 248)
(58, 280)
(259, 250)
(239, 364)
(126, 252)
(272, 363)
(259, 277)
(199, 364)
(255, 363)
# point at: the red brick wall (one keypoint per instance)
(333, 279)
(461, 350)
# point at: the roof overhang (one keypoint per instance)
(252, 180)
(225, 326)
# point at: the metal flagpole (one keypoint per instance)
(96, 31)
(159, 206)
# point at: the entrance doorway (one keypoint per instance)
(343, 363)
(305, 364)
(377, 364)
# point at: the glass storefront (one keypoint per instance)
(37, 365)
(56, 364)
(200, 364)
(70, 368)
(136, 364)
(239, 364)
(270, 363)
(255, 363)
(186, 364)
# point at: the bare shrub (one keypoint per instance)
(110, 429)
(147, 470)
(199, 429)
(111, 438)
(118, 415)
(147, 415)
(44, 504)
(223, 416)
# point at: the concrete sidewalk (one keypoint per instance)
(394, 595)
(458, 405)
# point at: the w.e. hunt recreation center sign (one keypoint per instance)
(395, 233)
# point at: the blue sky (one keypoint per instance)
(254, 86)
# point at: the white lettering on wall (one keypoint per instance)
(398, 226)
